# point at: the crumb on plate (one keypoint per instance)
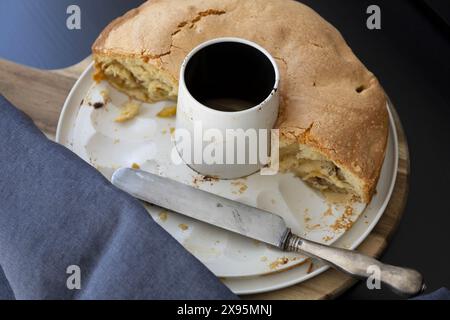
(105, 95)
(279, 262)
(167, 112)
(130, 110)
(163, 216)
(135, 166)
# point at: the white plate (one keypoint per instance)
(245, 265)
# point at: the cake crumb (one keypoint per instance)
(130, 111)
(241, 185)
(307, 218)
(279, 262)
(344, 222)
(172, 130)
(163, 216)
(200, 179)
(135, 166)
(167, 112)
(183, 226)
(105, 95)
(328, 212)
(314, 227)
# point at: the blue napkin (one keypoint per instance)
(57, 212)
(441, 294)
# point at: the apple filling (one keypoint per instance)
(137, 78)
(315, 169)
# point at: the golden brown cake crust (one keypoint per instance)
(329, 100)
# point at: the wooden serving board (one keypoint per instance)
(41, 94)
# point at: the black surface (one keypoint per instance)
(441, 10)
(410, 56)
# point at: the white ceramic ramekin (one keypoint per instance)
(191, 114)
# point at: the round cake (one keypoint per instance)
(333, 117)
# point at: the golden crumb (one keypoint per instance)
(168, 112)
(328, 212)
(345, 221)
(241, 185)
(200, 179)
(263, 259)
(172, 130)
(163, 216)
(279, 262)
(135, 166)
(183, 226)
(130, 111)
(105, 95)
(164, 131)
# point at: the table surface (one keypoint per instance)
(410, 56)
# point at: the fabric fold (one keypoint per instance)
(56, 211)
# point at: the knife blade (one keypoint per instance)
(200, 205)
(259, 225)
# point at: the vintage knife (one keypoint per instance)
(258, 224)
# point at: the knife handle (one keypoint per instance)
(403, 281)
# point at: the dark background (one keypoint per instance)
(410, 56)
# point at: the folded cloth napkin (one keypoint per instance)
(441, 294)
(56, 211)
